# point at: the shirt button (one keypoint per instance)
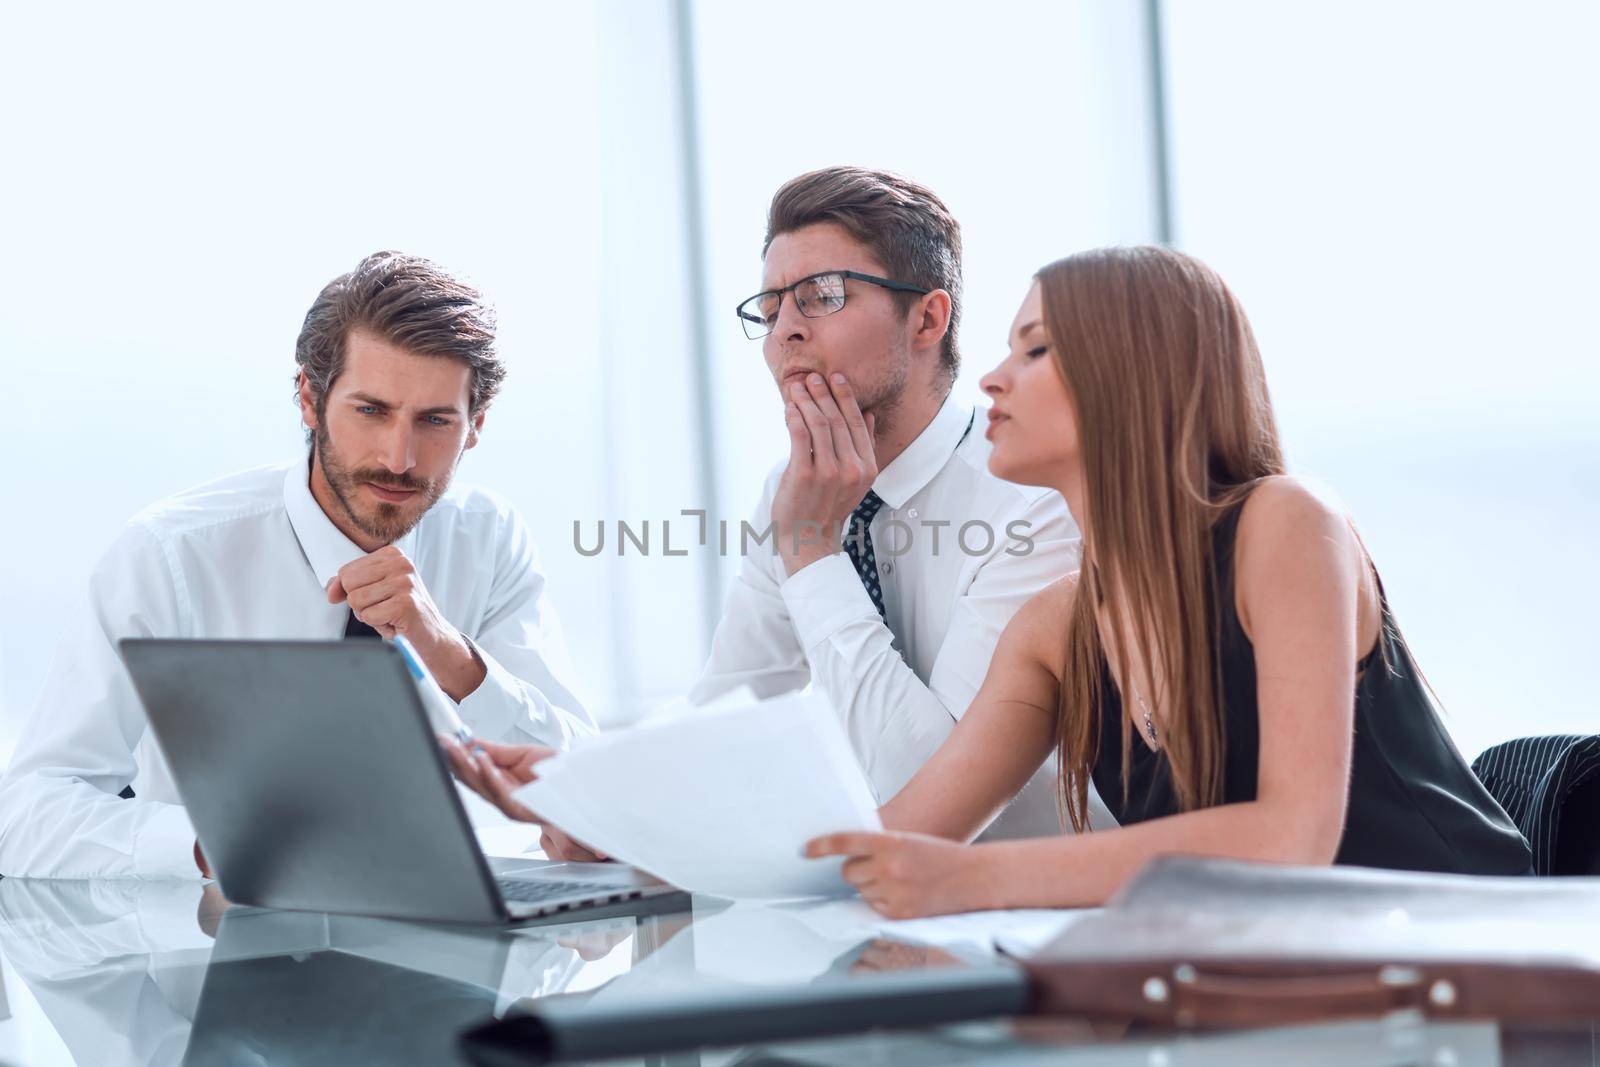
(888, 568)
(912, 513)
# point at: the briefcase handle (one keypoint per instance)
(1218, 994)
(1213, 997)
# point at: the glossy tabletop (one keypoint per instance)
(113, 973)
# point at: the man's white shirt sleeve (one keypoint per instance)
(59, 810)
(526, 694)
(895, 721)
(755, 643)
(228, 560)
(819, 625)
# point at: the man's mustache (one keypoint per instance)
(389, 480)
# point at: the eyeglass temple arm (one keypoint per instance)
(886, 283)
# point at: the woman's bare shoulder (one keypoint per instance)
(1296, 535)
(1289, 504)
(1039, 628)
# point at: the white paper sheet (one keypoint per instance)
(718, 802)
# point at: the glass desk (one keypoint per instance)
(114, 973)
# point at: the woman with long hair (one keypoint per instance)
(1223, 667)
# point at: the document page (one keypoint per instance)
(717, 802)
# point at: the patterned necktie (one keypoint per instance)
(858, 546)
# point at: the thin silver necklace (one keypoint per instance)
(1149, 724)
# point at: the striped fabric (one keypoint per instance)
(1550, 786)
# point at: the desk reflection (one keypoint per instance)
(147, 973)
(141, 973)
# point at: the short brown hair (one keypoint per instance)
(410, 302)
(906, 227)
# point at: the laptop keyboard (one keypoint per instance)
(530, 892)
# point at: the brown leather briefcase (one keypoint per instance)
(1214, 943)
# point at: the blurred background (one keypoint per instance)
(1402, 194)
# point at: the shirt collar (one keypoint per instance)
(926, 455)
(325, 546)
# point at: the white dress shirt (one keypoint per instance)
(901, 683)
(250, 556)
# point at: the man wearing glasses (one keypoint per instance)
(895, 558)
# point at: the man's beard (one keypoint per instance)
(884, 395)
(383, 521)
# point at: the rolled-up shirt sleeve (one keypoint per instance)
(530, 691)
(60, 812)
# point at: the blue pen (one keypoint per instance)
(441, 709)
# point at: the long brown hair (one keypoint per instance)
(1175, 427)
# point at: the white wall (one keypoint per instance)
(189, 178)
(1029, 120)
(1403, 195)
(180, 182)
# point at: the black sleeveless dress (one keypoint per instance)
(1414, 803)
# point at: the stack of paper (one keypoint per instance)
(719, 802)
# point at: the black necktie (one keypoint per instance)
(858, 546)
(354, 627)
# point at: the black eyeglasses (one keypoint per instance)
(816, 296)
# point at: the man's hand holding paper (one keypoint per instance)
(495, 772)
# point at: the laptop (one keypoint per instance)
(315, 783)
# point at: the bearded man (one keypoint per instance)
(362, 537)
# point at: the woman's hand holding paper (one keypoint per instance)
(907, 876)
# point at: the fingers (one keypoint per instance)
(558, 846)
(597, 945)
(517, 761)
(799, 438)
(854, 843)
(860, 872)
(884, 905)
(883, 868)
(879, 955)
(526, 768)
(500, 752)
(499, 788)
(823, 459)
(382, 616)
(496, 771)
(390, 606)
(852, 466)
(463, 767)
(378, 587)
(363, 597)
(211, 909)
(373, 567)
(856, 423)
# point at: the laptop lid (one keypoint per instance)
(312, 777)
